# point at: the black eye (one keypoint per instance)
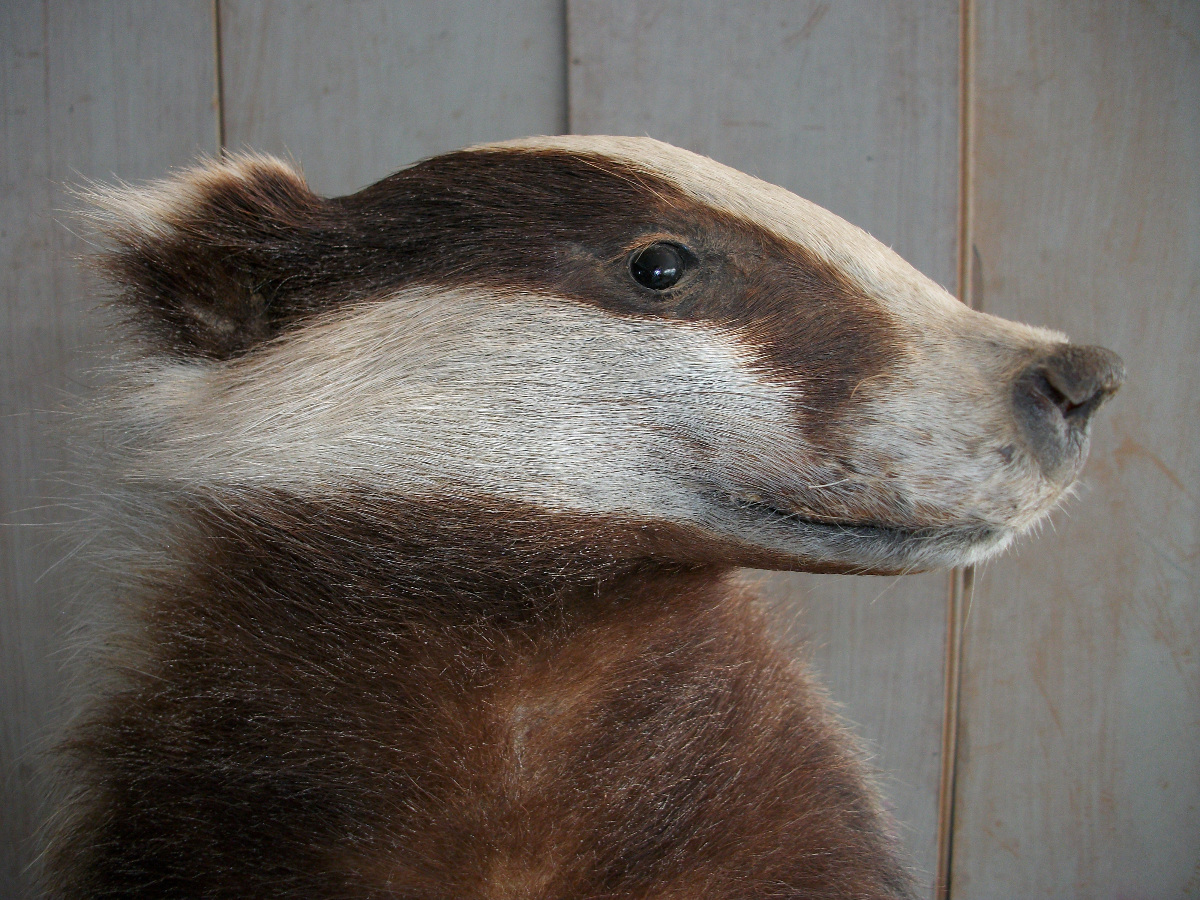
(658, 266)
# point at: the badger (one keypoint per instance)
(438, 491)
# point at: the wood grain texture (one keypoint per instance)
(1079, 771)
(90, 90)
(853, 105)
(356, 90)
(877, 644)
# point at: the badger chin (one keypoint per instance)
(869, 548)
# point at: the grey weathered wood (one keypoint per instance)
(877, 644)
(91, 90)
(853, 105)
(1078, 773)
(354, 91)
(1079, 764)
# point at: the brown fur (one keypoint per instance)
(342, 691)
(331, 714)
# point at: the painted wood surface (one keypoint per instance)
(90, 90)
(853, 105)
(1079, 764)
(355, 91)
(1078, 773)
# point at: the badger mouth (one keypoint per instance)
(864, 546)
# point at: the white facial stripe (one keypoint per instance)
(515, 395)
(155, 209)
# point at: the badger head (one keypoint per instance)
(598, 339)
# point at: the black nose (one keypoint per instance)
(1055, 397)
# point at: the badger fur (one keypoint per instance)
(441, 485)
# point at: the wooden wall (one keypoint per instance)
(1047, 151)
(90, 90)
(1079, 750)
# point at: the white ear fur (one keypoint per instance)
(162, 208)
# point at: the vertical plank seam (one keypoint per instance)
(965, 212)
(961, 581)
(53, 160)
(961, 586)
(218, 77)
(569, 124)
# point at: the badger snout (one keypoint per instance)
(1054, 398)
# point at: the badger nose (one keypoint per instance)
(1055, 397)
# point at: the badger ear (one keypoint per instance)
(199, 260)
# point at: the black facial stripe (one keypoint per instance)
(258, 257)
(560, 223)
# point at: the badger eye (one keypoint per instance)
(658, 266)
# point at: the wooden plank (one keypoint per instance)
(1079, 774)
(91, 89)
(853, 105)
(878, 645)
(354, 91)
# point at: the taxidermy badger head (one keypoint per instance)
(450, 471)
(603, 348)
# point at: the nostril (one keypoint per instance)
(1055, 397)
(1042, 383)
(1075, 403)
(1042, 409)
(1083, 376)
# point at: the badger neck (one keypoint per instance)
(397, 560)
